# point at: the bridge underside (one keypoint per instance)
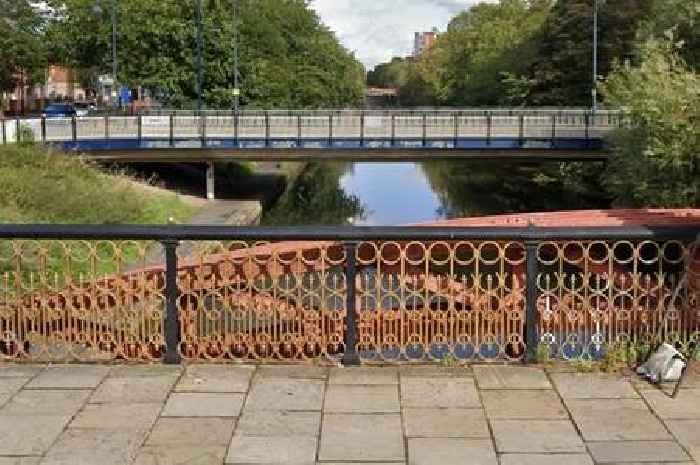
(197, 150)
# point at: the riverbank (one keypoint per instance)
(40, 186)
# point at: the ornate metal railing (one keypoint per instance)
(342, 294)
(459, 128)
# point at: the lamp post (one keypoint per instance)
(98, 11)
(200, 73)
(236, 90)
(594, 91)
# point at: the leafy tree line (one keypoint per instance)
(288, 58)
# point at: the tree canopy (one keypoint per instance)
(288, 58)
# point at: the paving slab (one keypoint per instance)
(46, 402)
(687, 432)
(445, 423)
(117, 416)
(546, 459)
(16, 370)
(433, 371)
(215, 378)
(90, 447)
(181, 455)
(146, 371)
(285, 394)
(29, 435)
(278, 423)
(292, 372)
(345, 398)
(356, 438)
(281, 450)
(593, 386)
(684, 407)
(193, 431)
(142, 389)
(510, 377)
(536, 436)
(70, 377)
(9, 387)
(450, 451)
(439, 392)
(523, 404)
(637, 451)
(616, 420)
(203, 404)
(364, 375)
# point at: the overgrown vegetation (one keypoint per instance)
(41, 186)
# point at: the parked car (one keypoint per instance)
(59, 110)
(84, 108)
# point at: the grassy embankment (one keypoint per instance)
(38, 186)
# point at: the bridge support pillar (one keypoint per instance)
(211, 178)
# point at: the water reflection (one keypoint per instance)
(401, 193)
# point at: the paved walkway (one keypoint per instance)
(207, 414)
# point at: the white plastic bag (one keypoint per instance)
(664, 365)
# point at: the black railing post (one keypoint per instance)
(521, 129)
(588, 127)
(425, 130)
(456, 129)
(43, 129)
(362, 129)
(330, 130)
(171, 129)
(74, 129)
(267, 129)
(4, 131)
(106, 128)
(554, 130)
(139, 128)
(235, 129)
(531, 338)
(351, 357)
(393, 130)
(488, 128)
(172, 317)
(298, 131)
(203, 134)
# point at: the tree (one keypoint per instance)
(287, 57)
(23, 56)
(656, 160)
(680, 17)
(563, 72)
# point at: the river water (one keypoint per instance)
(391, 193)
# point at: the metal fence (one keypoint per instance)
(356, 295)
(419, 126)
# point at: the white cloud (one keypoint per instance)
(378, 30)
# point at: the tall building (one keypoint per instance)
(424, 40)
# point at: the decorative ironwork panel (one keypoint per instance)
(596, 294)
(441, 300)
(262, 301)
(80, 300)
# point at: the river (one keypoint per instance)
(331, 193)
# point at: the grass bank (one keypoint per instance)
(39, 186)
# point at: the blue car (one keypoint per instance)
(59, 110)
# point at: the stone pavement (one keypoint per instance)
(225, 414)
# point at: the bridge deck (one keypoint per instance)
(334, 134)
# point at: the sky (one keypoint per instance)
(377, 30)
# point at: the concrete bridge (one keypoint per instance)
(360, 135)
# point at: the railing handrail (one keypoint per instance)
(342, 233)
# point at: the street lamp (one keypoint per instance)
(594, 91)
(200, 77)
(236, 90)
(98, 11)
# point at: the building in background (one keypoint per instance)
(424, 40)
(60, 85)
